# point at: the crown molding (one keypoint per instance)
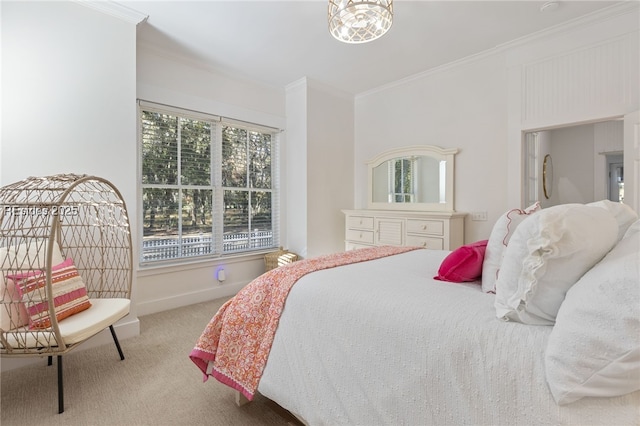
(628, 7)
(115, 9)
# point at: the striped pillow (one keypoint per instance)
(69, 294)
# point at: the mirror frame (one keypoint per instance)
(436, 152)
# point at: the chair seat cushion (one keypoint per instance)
(74, 329)
(102, 314)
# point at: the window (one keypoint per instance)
(208, 185)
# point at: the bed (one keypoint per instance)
(379, 341)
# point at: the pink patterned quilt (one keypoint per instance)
(235, 345)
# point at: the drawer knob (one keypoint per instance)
(424, 244)
(424, 227)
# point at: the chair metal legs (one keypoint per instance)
(60, 387)
(59, 359)
(115, 340)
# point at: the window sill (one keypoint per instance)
(177, 265)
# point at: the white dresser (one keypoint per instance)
(432, 230)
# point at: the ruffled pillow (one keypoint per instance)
(501, 233)
(547, 254)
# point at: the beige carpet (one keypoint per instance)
(156, 384)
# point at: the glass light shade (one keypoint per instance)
(359, 21)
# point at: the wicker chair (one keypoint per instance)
(66, 263)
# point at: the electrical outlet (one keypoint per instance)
(479, 216)
(220, 274)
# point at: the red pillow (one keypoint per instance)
(463, 264)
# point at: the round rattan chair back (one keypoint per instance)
(44, 220)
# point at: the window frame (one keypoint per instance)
(218, 212)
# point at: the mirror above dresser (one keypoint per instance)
(417, 177)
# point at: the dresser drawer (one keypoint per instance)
(426, 242)
(353, 246)
(430, 227)
(360, 236)
(360, 222)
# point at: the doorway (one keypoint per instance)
(587, 163)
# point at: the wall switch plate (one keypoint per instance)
(478, 216)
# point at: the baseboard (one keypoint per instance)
(125, 328)
(180, 300)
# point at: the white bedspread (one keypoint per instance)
(382, 343)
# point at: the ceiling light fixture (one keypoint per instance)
(359, 21)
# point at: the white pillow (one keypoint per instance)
(547, 254)
(498, 241)
(624, 214)
(594, 348)
(32, 255)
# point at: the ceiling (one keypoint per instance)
(280, 42)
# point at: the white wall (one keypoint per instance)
(182, 83)
(572, 153)
(319, 157)
(68, 101)
(68, 98)
(330, 168)
(295, 155)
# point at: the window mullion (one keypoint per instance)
(212, 183)
(218, 191)
(248, 189)
(179, 178)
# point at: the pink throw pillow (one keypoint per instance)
(69, 293)
(463, 264)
